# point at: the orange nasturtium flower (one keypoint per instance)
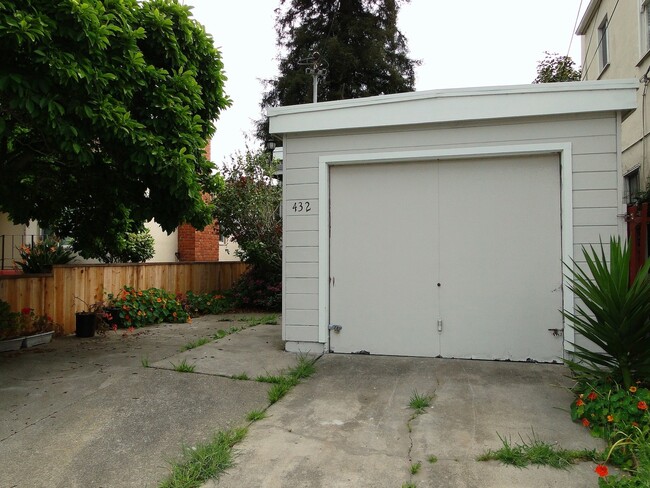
(632, 389)
(635, 424)
(610, 418)
(642, 405)
(592, 396)
(601, 470)
(585, 422)
(159, 299)
(579, 402)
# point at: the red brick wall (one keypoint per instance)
(194, 245)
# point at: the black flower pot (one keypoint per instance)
(86, 324)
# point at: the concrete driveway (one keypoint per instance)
(348, 426)
(86, 413)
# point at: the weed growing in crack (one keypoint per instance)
(419, 402)
(184, 367)
(538, 452)
(255, 415)
(415, 467)
(205, 461)
(432, 459)
(196, 343)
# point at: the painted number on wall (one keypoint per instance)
(301, 207)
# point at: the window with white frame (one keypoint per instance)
(603, 46)
(644, 23)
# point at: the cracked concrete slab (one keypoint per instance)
(254, 351)
(86, 413)
(348, 426)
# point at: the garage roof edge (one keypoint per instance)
(460, 104)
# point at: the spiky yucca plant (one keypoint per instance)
(615, 316)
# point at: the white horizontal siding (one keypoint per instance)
(301, 333)
(596, 199)
(301, 270)
(302, 317)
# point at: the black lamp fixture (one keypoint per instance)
(270, 144)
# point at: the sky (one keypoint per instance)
(465, 43)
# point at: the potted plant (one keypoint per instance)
(87, 321)
(24, 329)
(41, 256)
(36, 329)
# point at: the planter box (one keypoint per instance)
(38, 339)
(11, 344)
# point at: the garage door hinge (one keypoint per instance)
(335, 328)
(439, 325)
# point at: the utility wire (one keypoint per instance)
(575, 26)
(609, 21)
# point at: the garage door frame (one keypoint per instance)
(564, 150)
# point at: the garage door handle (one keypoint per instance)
(438, 284)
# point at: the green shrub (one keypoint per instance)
(257, 291)
(39, 257)
(615, 317)
(134, 247)
(606, 408)
(146, 307)
(205, 303)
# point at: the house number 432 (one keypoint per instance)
(301, 207)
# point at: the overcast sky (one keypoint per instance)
(461, 44)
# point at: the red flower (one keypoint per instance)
(601, 470)
(114, 327)
(579, 402)
(585, 422)
(592, 396)
(26, 311)
(642, 405)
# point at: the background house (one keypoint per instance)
(616, 45)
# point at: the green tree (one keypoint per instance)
(554, 68)
(359, 44)
(248, 210)
(106, 107)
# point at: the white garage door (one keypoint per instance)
(454, 258)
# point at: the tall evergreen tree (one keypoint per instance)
(359, 44)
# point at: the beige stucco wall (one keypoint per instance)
(10, 231)
(165, 246)
(629, 58)
(227, 250)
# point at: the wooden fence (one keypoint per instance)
(54, 294)
(638, 224)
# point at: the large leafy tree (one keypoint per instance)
(248, 210)
(555, 68)
(106, 107)
(359, 44)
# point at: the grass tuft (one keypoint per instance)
(304, 369)
(145, 362)
(255, 415)
(270, 379)
(278, 390)
(419, 402)
(409, 484)
(196, 343)
(204, 462)
(241, 376)
(184, 367)
(538, 452)
(415, 467)
(432, 459)
(267, 319)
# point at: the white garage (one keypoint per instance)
(436, 223)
